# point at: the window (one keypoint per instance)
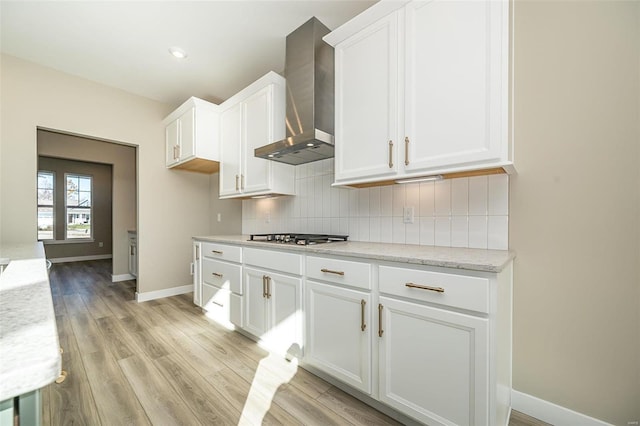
(46, 206)
(78, 190)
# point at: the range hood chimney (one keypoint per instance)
(309, 72)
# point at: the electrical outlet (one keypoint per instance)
(219, 217)
(407, 214)
(100, 244)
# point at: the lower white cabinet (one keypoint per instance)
(433, 363)
(273, 310)
(338, 339)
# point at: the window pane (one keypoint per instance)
(85, 184)
(84, 199)
(45, 197)
(45, 223)
(72, 198)
(45, 180)
(78, 223)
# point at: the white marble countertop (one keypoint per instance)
(447, 257)
(29, 348)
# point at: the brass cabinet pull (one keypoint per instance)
(425, 287)
(216, 274)
(178, 149)
(242, 182)
(380, 330)
(363, 326)
(264, 286)
(391, 154)
(216, 252)
(268, 287)
(131, 250)
(406, 151)
(237, 186)
(216, 303)
(329, 271)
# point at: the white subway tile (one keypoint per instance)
(344, 226)
(442, 190)
(316, 225)
(399, 197)
(498, 232)
(412, 197)
(334, 194)
(478, 232)
(386, 229)
(427, 199)
(312, 197)
(386, 200)
(301, 171)
(326, 225)
(326, 196)
(498, 195)
(459, 197)
(303, 226)
(354, 202)
(335, 225)
(364, 228)
(478, 190)
(442, 234)
(374, 201)
(459, 231)
(427, 231)
(398, 230)
(412, 232)
(344, 201)
(354, 228)
(374, 229)
(363, 202)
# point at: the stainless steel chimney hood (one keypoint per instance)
(309, 72)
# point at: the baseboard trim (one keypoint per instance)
(550, 412)
(80, 258)
(167, 292)
(122, 277)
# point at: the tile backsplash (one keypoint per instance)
(464, 212)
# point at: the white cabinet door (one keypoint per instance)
(257, 131)
(336, 342)
(284, 298)
(367, 102)
(434, 363)
(230, 149)
(453, 58)
(188, 135)
(172, 140)
(255, 307)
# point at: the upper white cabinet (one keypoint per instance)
(250, 119)
(191, 135)
(422, 88)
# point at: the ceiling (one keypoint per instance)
(124, 44)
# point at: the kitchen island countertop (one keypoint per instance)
(447, 257)
(29, 348)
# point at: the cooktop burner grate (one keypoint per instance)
(300, 239)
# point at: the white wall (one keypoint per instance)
(172, 205)
(463, 212)
(575, 206)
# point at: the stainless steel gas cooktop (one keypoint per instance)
(300, 239)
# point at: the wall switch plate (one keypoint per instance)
(100, 244)
(219, 217)
(407, 214)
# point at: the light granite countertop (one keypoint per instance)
(447, 257)
(29, 348)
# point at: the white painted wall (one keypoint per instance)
(172, 205)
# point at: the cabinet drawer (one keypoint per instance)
(354, 274)
(215, 300)
(459, 291)
(278, 260)
(222, 251)
(224, 275)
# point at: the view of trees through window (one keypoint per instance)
(78, 206)
(45, 205)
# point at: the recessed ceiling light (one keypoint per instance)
(177, 52)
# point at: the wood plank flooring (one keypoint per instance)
(163, 362)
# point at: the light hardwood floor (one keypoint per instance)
(163, 362)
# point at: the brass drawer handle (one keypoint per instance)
(216, 252)
(242, 182)
(268, 287)
(264, 286)
(391, 154)
(329, 271)
(406, 151)
(425, 287)
(216, 303)
(380, 330)
(237, 186)
(363, 326)
(216, 274)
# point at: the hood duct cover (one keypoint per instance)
(309, 72)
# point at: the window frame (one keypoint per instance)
(52, 206)
(66, 208)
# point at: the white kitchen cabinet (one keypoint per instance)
(422, 90)
(191, 137)
(338, 338)
(273, 310)
(433, 363)
(250, 119)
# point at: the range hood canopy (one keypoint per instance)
(309, 71)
